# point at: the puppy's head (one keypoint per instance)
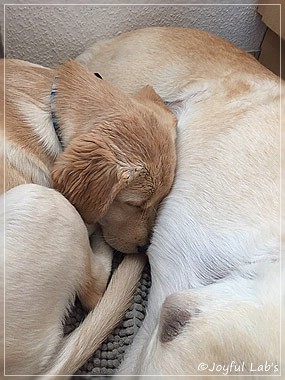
(118, 172)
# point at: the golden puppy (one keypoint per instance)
(215, 252)
(111, 155)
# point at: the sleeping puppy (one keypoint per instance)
(111, 155)
(48, 260)
(215, 247)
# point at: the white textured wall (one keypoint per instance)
(49, 34)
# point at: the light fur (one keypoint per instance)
(215, 250)
(47, 262)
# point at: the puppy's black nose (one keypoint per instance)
(142, 248)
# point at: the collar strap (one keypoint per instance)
(52, 111)
(52, 108)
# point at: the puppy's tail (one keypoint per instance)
(99, 323)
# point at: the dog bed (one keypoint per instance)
(110, 354)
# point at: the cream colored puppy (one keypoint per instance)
(48, 260)
(215, 248)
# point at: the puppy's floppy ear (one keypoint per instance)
(147, 93)
(151, 99)
(90, 173)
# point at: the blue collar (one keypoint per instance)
(52, 109)
(53, 114)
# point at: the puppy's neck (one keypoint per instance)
(83, 101)
(54, 119)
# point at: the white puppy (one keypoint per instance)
(216, 242)
(48, 260)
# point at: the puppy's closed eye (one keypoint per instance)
(133, 198)
(134, 204)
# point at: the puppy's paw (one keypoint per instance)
(90, 295)
(103, 255)
(98, 271)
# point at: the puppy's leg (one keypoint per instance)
(46, 254)
(98, 270)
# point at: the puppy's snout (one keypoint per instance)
(143, 248)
